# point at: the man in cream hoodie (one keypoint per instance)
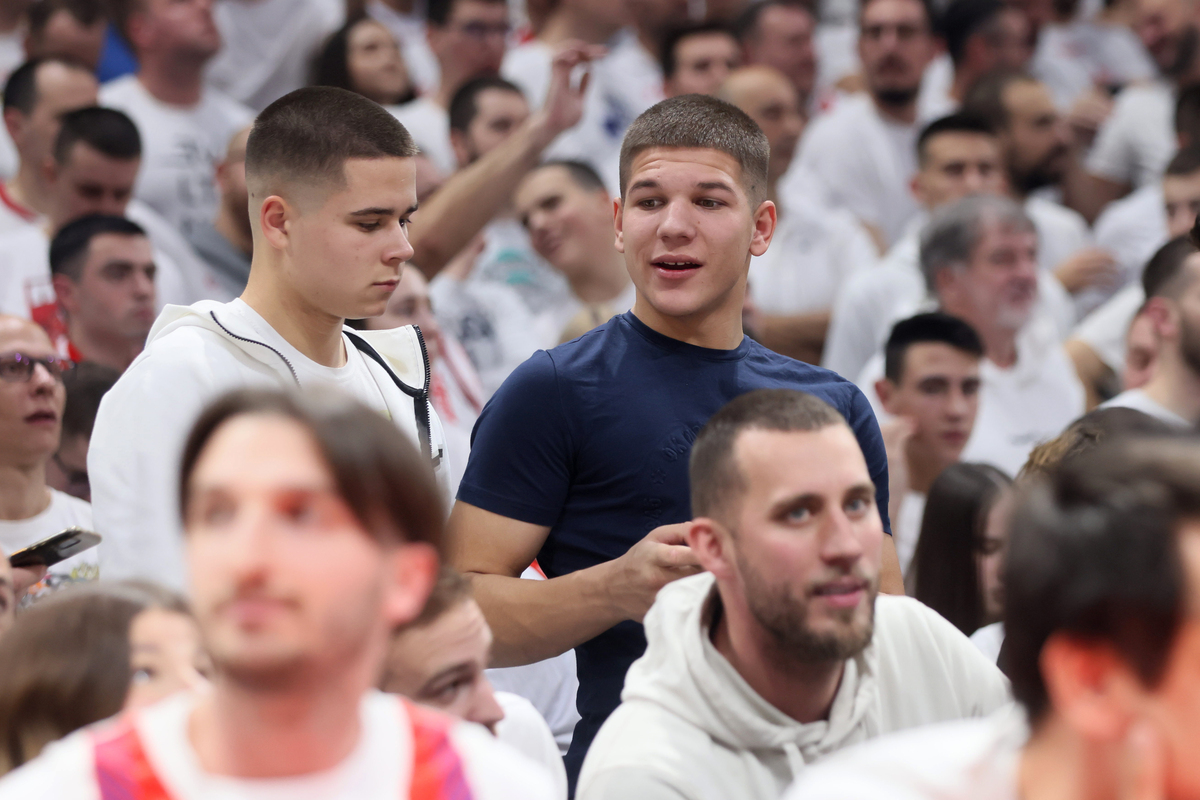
(331, 182)
(782, 652)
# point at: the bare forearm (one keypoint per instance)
(473, 197)
(801, 336)
(533, 620)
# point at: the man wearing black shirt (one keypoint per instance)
(580, 459)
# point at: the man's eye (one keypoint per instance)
(369, 226)
(708, 202)
(648, 203)
(856, 505)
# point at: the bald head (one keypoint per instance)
(772, 101)
(18, 329)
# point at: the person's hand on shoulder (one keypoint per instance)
(661, 557)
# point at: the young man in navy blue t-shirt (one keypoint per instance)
(580, 460)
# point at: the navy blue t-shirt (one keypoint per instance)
(592, 439)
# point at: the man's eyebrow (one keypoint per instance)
(374, 211)
(462, 668)
(715, 185)
(646, 183)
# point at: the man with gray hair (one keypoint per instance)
(978, 256)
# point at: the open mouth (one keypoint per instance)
(841, 593)
(42, 418)
(675, 265)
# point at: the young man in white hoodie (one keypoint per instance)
(782, 652)
(1102, 606)
(332, 186)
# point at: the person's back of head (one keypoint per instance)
(1100, 579)
(945, 571)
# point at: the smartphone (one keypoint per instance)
(58, 547)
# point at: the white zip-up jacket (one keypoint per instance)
(194, 354)
(690, 727)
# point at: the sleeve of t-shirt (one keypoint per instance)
(866, 429)
(522, 448)
(1112, 155)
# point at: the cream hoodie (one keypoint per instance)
(690, 727)
(193, 354)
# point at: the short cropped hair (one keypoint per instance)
(464, 106)
(701, 122)
(20, 90)
(308, 136)
(583, 175)
(964, 19)
(716, 481)
(387, 484)
(86, 384)
(1094, 554)
(746, 27)
(954, 123)
(933, 327)
(106, 130)
(1163, 275)
(669, 60)
(949, 239)
(986, 97)
(69, 247)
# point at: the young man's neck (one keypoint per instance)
(1176, 387)
(1056, 764)
(247, 733)
(26, 189)
(602, 285)
(316, 334)
(717, 328)
(23, 491)
(115, 352)
(803, 692)
(565, 25)
(171, 80)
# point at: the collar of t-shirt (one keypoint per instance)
(664, 342)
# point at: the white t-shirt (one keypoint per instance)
(968, 760)
(860, 162)
(934, 100)
(181, 147)
(1137, 140)
(379, 768)
(1133, 228)
(267, 46)
(1138, 400)
(989, 639)
(429, 125)
(409, 30)
(1106, 329)
(814, 252)
(1073, 57)
(906, 528)
(524, 730)
(640, 74)
(63, 512)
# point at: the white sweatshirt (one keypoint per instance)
(194, 354)
(690, 727)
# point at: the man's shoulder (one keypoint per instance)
(644, 735)
(496, 771)
(1055, 216)
(121, 91)
(785, 372)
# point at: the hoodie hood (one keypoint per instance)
(683, 672)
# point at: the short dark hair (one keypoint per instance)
(106, 130)
(380, 474)
(1162, 274)
(933, 327)
(85, 12)
(69, 247)
(309, 134)
(668, 59)
(953, 123)
(985, 98)
(584, 175)
(1187, 114)
(745, 27)
(944, 568)
(1094, 554)
(20, 90)
(713, 471)
(86, 384)
(1185, 162)
(465, 103)
(964, 19)
(438, 12)
(701, 122)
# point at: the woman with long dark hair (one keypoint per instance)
(363, 57)
(955, 570)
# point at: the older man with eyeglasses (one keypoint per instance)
(31, 408)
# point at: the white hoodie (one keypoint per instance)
(690, 727)
(193, 354)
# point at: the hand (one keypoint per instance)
(1089, 267)
(24, 578)
(564, 100)
(663, 556)
(1087, 114)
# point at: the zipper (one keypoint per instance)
(230, 333)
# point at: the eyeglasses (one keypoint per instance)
(18, 367)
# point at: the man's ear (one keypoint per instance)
(710, 541)
(765, 219)
(619, 223)
(14, 123)
(1090, 687)
(273, 218)
(462, 154)
(412, 570)
(1163, 316)
(885, 390)
(64, 289)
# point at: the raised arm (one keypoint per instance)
(473, 196)
(535, 620)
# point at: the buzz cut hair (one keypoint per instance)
(307, 136)
(699, 122)
(713, 472)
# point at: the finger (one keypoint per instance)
(675, 534)
(675, 556)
